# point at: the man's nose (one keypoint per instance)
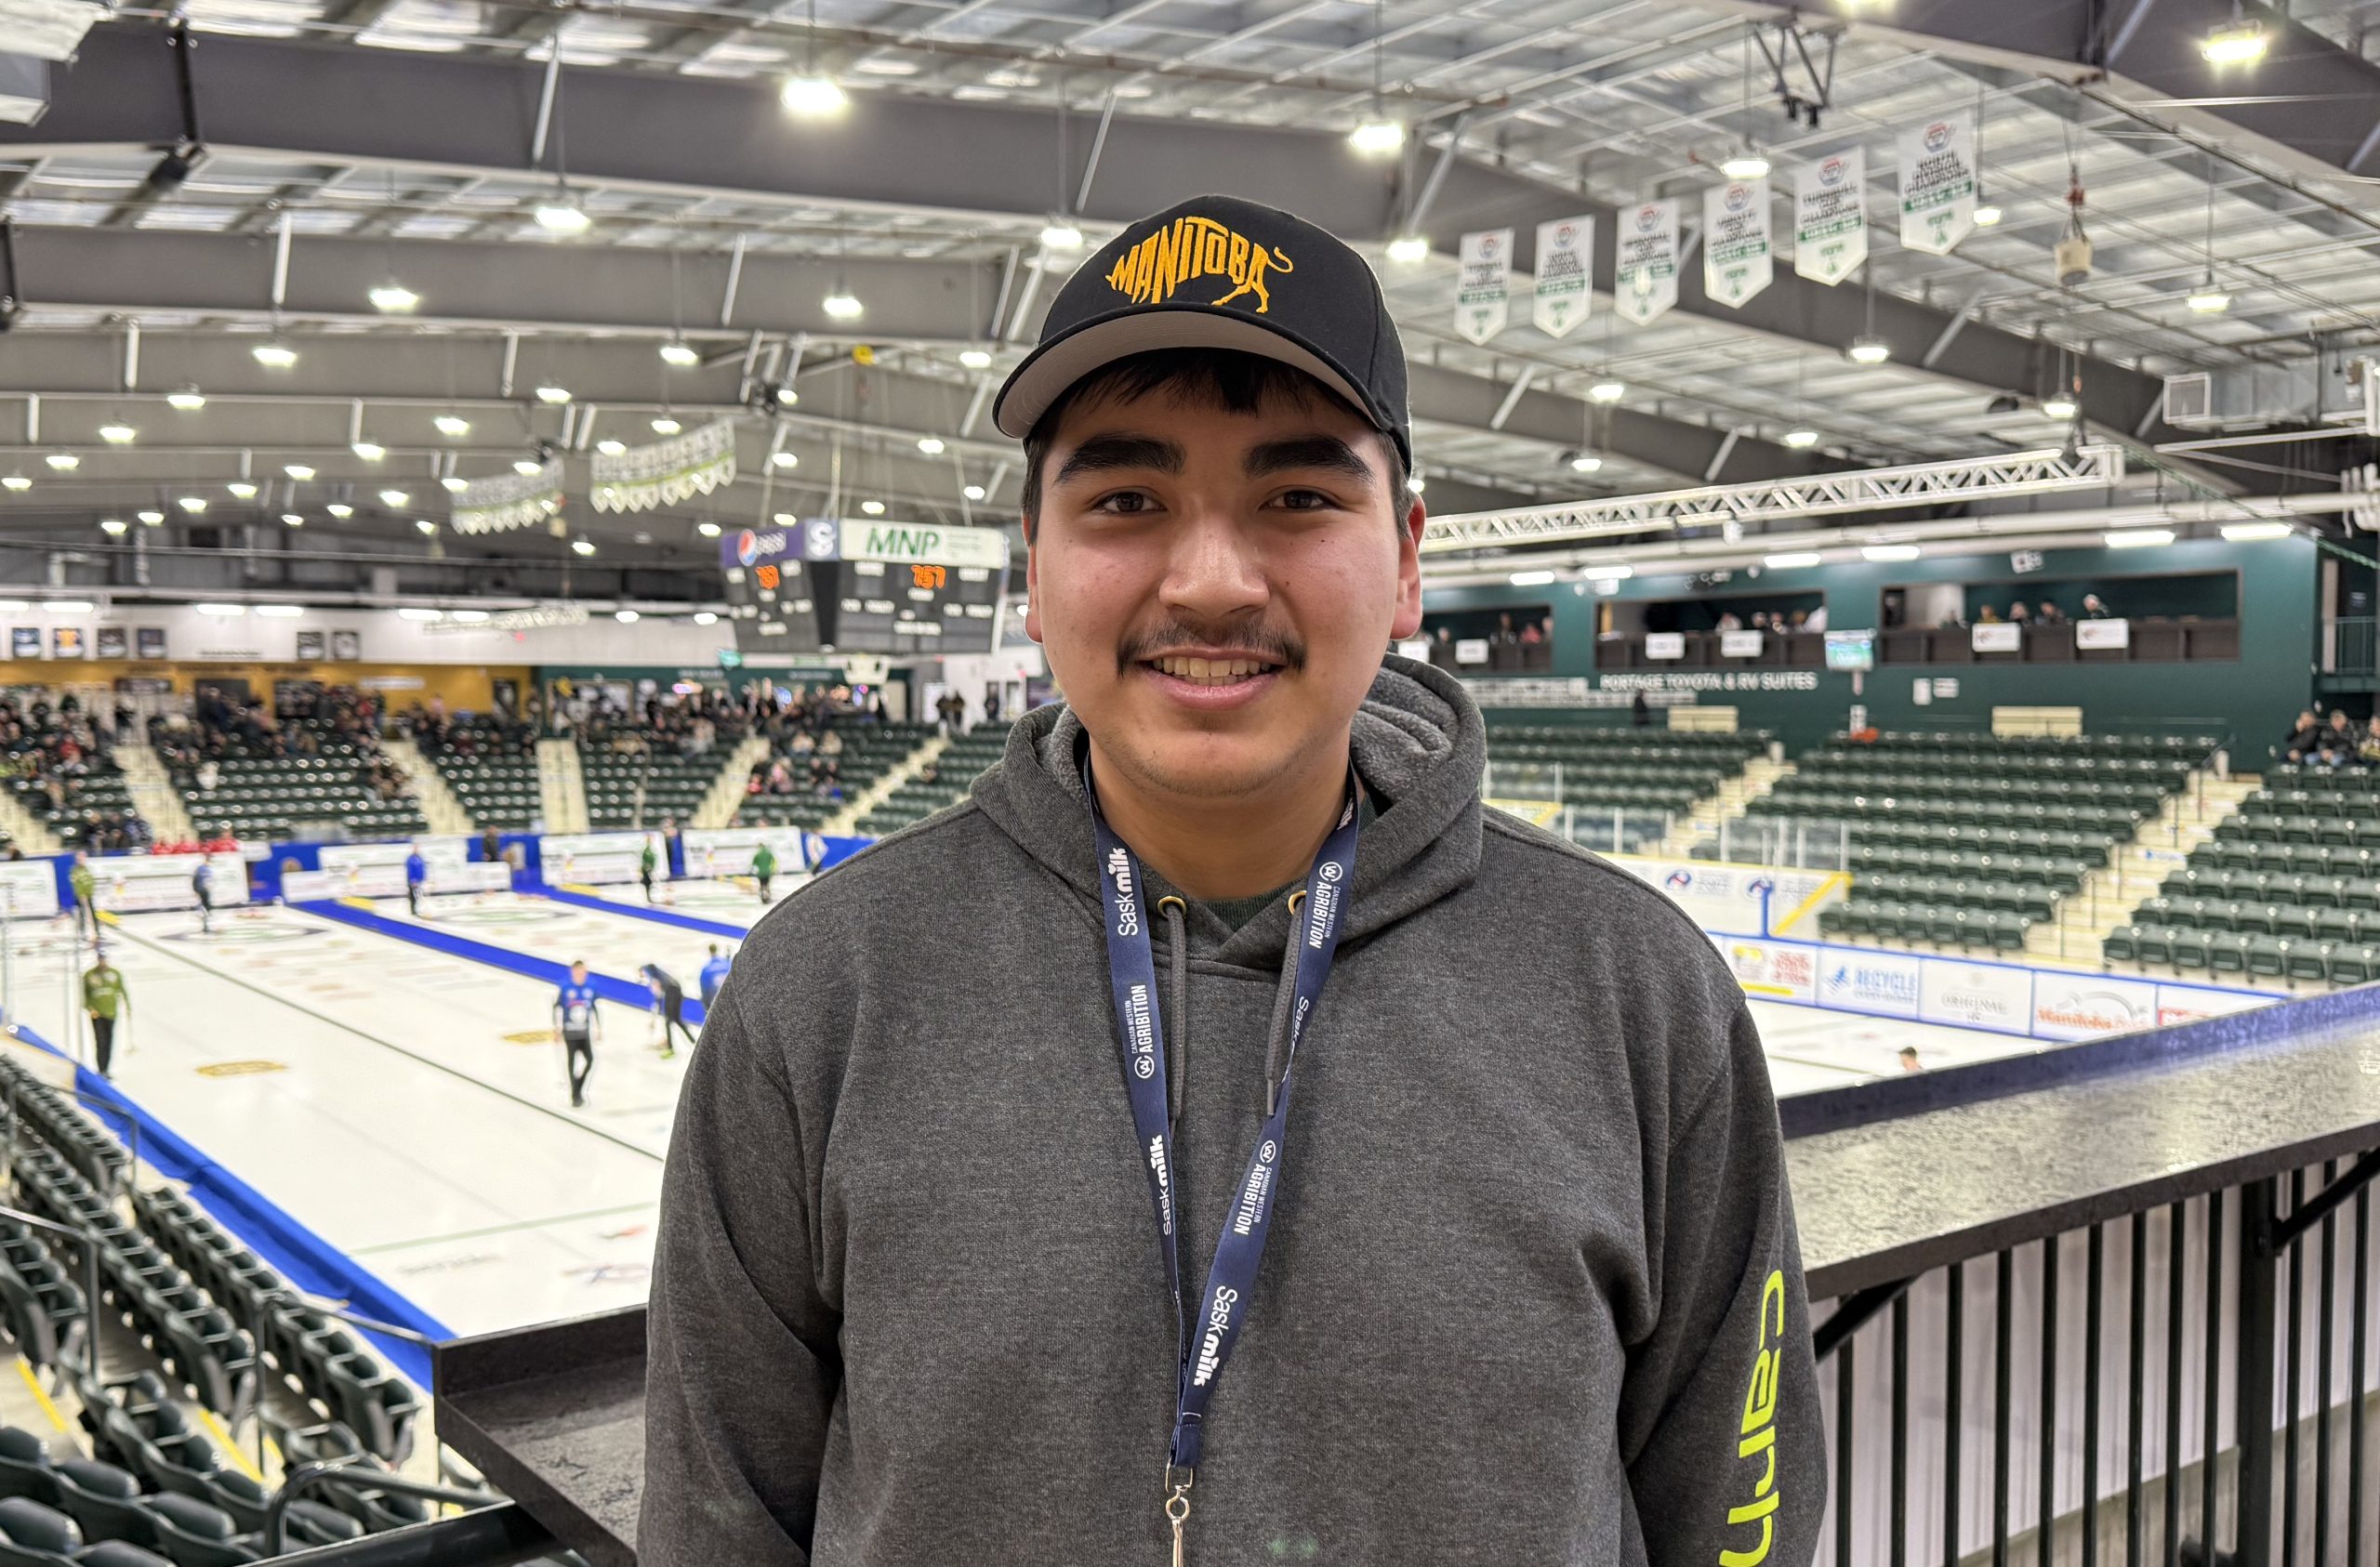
(1215, 571)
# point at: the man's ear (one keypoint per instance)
(1408, 571)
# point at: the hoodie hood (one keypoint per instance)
(1420, 745)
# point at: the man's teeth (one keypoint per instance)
(1211, 671)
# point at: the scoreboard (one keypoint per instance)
(830, 584)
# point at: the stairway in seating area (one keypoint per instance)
(717, 806)
(152, 792)
(20, 828)
(442, 812)
(561, 786)
(846, 819)
(1735, 797)
(2107, 896)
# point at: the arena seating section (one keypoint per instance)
(643, 791)
(496, 791)
(103, 789)
(1968, 840)
(1644, 777)
(273, 798)
(870, 752)
(212, 1313)
(954, 770)
(2287, 889)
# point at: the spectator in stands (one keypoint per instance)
(2096, 608)
(2050, 614)
(491, 845)
(1505, 635)
(1531, 636)
(1908, 1058)
(991, 706)
(2019, 614)
(1760, 620)
(1730, 620)
(1988, 616)
(1640, 712)
(2341, 741)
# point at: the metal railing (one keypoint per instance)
(2094, 1393)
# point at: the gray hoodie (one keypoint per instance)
(1533, 1295)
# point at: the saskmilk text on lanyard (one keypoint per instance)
(1203, 1345)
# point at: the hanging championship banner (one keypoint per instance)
(667, 471)
(1830, 217)
(1645, 264)
(1735, 263)
(1565, 252)
(507, 501)
(1483, 289)
(1937, 186)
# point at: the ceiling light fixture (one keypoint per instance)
(583, 546)
(1408, 250)
(705, 617)
(974, 359)
(1059, 234)
(291, 520)
(64, 462)
(931, 445)
(68, 606)
(813, 98)
(563, 214)
(553, 394)
(394, 298)
(395, 499)
(527, 467)
(1749, 163)
(274, 354)
(341, 510)
(784, 459)
(118, 435)
(451, 424)
(370, 451)
(1987, 215)
(1868, 349)
(1585, 462)
(15, 481)
(1531, 579)
(707, 529)
(1890, 552)
(611, 448)
(225, 611)
(190, 400)
(627, 617)
(1801, 439)
(666, 425)
(111, 525)
(874, 509)
(789, 397)
(241, 490)
(152, 517)
(2236, 42)
(2137, 538)
(419, 613)
(192, 504)
(1607, 573)
(679, 354)
(424, 525)
(1606, 392)
(455, 484)
(280, 611)
(1377, 136)
(1791, 559)
(2244, 532)
(468, 617)
(299, 471)
(973, 491)
(2207, 299)
(842, 304)
(2060, 406)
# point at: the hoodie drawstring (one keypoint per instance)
(1177, 1007)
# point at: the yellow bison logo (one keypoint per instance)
(1197, 247)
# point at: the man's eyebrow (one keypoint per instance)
(1306, 452)
(1103, 453)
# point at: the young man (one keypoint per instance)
(105, 999)
(668, 1007)
(1534, 1295)
(577, 1021)
(764, 868)
(417, 872)
(645, 862)
(714, 975)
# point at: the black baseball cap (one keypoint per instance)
(1218, 273)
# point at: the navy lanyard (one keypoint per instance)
(1203, 1346)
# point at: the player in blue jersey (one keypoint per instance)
(714, 975)
(201, 882)
(417, 872)
(577, 1021)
